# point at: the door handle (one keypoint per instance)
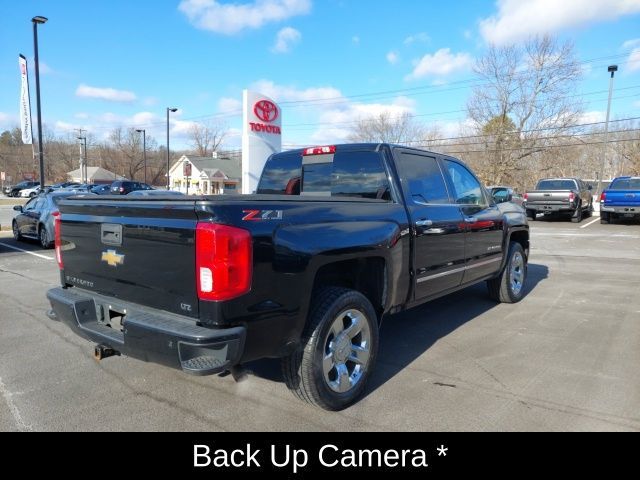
(424, 223)
(470, 219)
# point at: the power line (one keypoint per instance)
(342, 99)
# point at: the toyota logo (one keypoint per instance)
(265, 110)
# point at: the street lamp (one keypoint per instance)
(36, 20)
(612, 69)
(144, 150)
(83, 167)
(173, 110)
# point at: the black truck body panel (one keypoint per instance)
(140, 255)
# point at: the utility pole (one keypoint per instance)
(83, 158)
(611, 69)
(38, 20)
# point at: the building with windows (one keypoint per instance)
(214, 175)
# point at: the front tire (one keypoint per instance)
(338, 350)
(508, 287)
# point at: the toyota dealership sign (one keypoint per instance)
(261, 136)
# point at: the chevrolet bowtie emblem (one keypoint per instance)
(112, 258)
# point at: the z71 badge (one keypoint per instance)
(260, 215)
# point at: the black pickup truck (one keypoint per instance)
(335, 239)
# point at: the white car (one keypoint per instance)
(30, 192)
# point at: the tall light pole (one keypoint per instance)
(36, 20)
(83, 167)
(611, 69)
(144, 151)
(173, 110)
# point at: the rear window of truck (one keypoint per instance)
(556, 185)
(625, 184)
(349, 174)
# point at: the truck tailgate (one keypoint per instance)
(548, 197)
(622, 198)
(140, 251)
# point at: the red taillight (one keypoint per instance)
(572, 197)
(525, 197)
(57, 239)
(603, 197)
(223, 261)
(319, 150)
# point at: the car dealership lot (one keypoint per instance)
(565, 358)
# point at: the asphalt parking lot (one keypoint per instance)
(565, 358)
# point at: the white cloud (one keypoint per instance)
(392, 58)
(356, 39)
(336, 122)
(229, 105)
(634, 42)
(421, 37)
(443, 62)
(633, 62)
(516, 20)
(81, 115)
(594, 116)
(232, 18)
(286, 39)
(286, 93)
(109, 94)
(66, 127)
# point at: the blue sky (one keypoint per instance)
(107, 63)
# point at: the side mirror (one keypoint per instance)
(17, 208)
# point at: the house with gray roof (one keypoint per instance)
(218, 174)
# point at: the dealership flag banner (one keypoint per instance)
(261, 136)
(25, 104)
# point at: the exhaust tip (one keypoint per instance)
(103, 351)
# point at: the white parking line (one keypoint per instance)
(26, 251)
(590, 223)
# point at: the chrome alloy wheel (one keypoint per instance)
(516, 273)
(346, 351)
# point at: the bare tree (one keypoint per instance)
(387, 128)
(207, 137)
(525, 100)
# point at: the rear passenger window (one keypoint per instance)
(346, 174)
(423, 178)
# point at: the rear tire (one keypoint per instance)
(16, 233)
(531, 215)
(338, 350)
(577, 215)
(604, 218)
(43, 236)
(508, 287)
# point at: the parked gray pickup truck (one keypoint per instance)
(560, 196)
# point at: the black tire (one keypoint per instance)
(16, 233)
(577, 215)
(43, 237)
(604, 218)
(502, 288)
(32, 194)
(303, 369)
(589, 211)
(531, 215)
